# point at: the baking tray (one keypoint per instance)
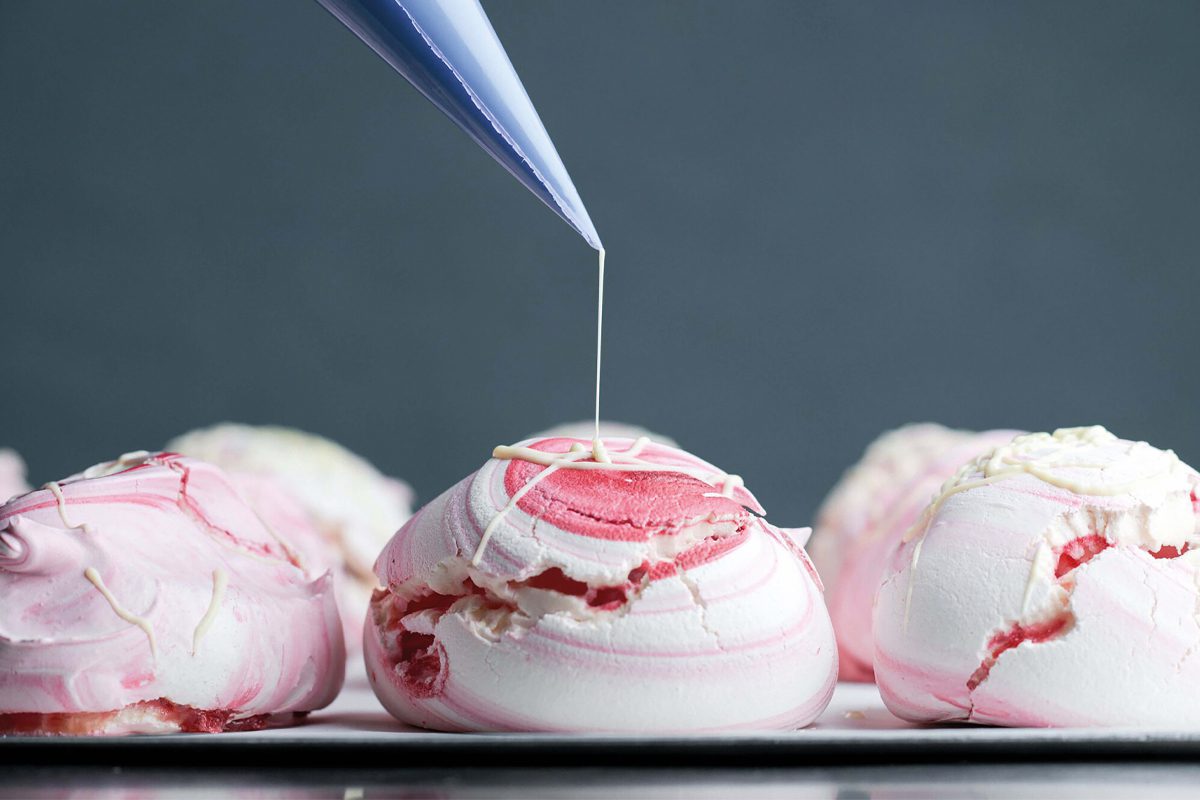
(855, 729)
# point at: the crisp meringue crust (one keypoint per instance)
(339, 509)
(866, 515)
(153, 592)
(1054, 581)
(352, 503)
(604, 599)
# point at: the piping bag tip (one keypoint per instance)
(451, 54)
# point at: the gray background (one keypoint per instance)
(823, 220)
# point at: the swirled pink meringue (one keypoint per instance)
(339, 509)
(146, 596)
(1055, 581)
(604, 600)
(12, 474)
(866, 515)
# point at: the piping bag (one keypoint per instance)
(449, 51)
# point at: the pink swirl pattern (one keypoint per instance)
(604, 600)
(867, 514)
(337, 508)
(1054, 582)
(145, 596)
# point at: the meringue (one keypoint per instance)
(12, 474)
(868, 512)
(1054, 581)
(339, 510)
(552, 591)
(144, 596)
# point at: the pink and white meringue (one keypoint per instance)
(144, 596)
(340, 510)
(12, 474)
(551, 592)
(1055, 581)
(866, 515)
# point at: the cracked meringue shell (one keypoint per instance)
(604, 600)
(1055, 581)
(145, 596)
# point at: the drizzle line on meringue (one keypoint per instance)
(57, 491)
(133, 619)
(621, 461)
(1016, 458)
(220, 581)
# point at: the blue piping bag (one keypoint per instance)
(449, 51)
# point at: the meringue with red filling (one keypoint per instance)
(867, 514)
(1054, 581)
(621, 585)
(145, 596)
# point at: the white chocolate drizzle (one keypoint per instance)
(123, 462)
(133, 619)
(600, 458)
(598, 451)
(220, 581)
(620, 461)
(61, 500)
(1019, 457)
